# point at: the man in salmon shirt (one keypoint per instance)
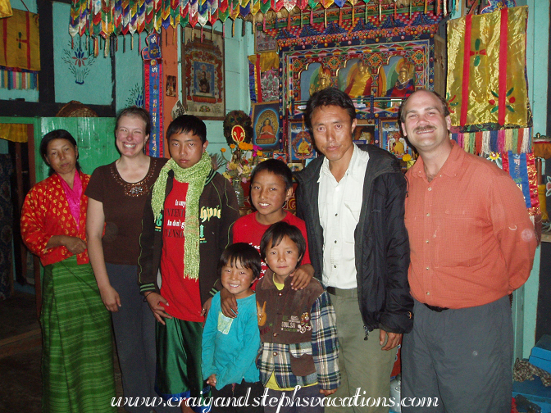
(472, 244)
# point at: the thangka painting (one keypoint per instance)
(267, 131)
(300, 142)
(264, 42)
(203, 73)
(377, 76)
(392, 140)
(269, 81)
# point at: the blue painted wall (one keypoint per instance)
(77, 72)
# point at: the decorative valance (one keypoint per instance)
(120, 17)
(15, 132)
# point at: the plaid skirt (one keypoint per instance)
(77, 355)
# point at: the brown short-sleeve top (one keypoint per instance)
(123, 205)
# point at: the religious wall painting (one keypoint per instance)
(365, 72)
(301, 145)
(365, 132)
(263, 42)
(391, 138)
(78, 61)
(315, 78)
(269, 81)
(355, 78)
(203, 79)
(400, 78)
(203, 89)
(267, 131)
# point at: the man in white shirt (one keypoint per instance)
(352, 200)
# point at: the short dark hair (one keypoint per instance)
(277, 232)
(328, 97)
(277, 167)
(185, 124)
(135, 112)
(445, 108)
(246, 254)
(50, 136)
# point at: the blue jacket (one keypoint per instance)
(230, 345)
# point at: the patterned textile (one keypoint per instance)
(523, 370)
(497, 141)
(46, 213)
(6, 226)
(77, 358)
(486, 68)
(18, 79)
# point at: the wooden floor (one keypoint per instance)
(20, 353)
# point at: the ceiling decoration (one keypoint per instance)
(121, 17)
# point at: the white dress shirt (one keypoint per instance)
(339, 205)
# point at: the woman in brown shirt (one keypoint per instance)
(117, 193)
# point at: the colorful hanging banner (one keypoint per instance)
(487, 67)
(151, 55)
(522, 169)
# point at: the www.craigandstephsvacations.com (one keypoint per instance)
(286, 399)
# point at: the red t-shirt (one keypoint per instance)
(182, 294)
(248, 229)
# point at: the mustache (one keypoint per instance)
(424, 129)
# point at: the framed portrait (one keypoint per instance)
(264, 42)
(203, 88)
(266, 127)
(301, 145)
(391, 138)
(365, 132)
(171, 85)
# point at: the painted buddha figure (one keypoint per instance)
(267, 135)
(324, 81)
(360, 81)
(404, 85)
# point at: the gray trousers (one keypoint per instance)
(362, 363)
(463, 357)
(134, 326)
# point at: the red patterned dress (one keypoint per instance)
(77, 359)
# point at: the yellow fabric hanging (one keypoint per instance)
(15, 132)
(5, 9)
(486, 68)
(21, 46)
(269, 60)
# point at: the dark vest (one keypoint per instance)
(284, 316)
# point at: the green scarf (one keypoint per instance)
(195, 176)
